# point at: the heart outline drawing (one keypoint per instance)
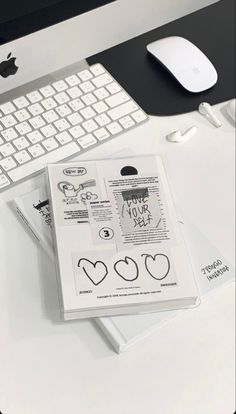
(126, 261)
(103, 268)
(154, 259)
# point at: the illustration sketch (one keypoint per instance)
(96, 272)
(157, 266)
(88, 196)
(127, 269)
(69, 189)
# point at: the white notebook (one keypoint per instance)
(210, 267)
(118, 244)
(211, 270)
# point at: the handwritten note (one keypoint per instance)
(140, 210)
(44, 210)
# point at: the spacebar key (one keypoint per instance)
(39, 163)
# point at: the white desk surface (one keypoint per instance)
(185, 367)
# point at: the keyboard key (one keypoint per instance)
(85, 75)
(63, 138)
(7, 108)
(8, 121)
(23, 128)
(87, 141)
(113, 88)
(4, 182)
(89, 99)
(102, 80)
(48, 131)
(36, 150)
(60, 86)
(7, 149)
(114, 128)
(50, 144)
(76, 132)
(9, 134)
(127, 122)
(22, 115)
(50, 116)
(22, 157)
(122, 110)
(101, 134)
(87, 87)
(62, 125)
(117, 99)
(21, 102)
(76, 105)
(49, 104)
(102, 119)
(74, 92)
(39, 163)
(37, 122)
(90, 125)
(139, 116)
(34, 97)
(36, 109)
(7, 163)
(100, 107)
(21, 143)
(72, 80)
(61, 98)
(101, 93)
(75, 119)
(97, 69)
(47, 91)
(35, 137)
(88, 112)
(63, 110)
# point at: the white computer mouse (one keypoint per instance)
(185, 61)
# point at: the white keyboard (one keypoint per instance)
(61, 119)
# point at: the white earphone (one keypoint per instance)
(177, 137)
(205, 109)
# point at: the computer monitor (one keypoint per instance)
(43, 36)
(46, 35)
(19, 19)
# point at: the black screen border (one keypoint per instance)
(45, 17)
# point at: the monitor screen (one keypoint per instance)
(20, 18)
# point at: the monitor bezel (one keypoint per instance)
(46, 17)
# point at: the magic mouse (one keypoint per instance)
(186, 62)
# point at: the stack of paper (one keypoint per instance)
(117, 237)
(210, 268)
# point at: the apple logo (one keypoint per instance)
(8, 67)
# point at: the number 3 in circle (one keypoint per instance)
(106, 233)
